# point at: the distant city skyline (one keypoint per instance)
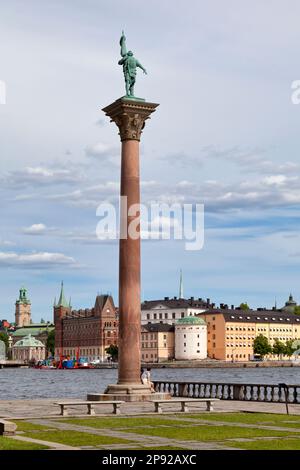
(226, 134)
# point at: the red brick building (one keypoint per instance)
(85, 332)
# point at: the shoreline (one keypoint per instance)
(208, 365)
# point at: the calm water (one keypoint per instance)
(36, 383)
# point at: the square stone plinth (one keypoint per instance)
(128, 393)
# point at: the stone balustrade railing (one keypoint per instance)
(227, 391)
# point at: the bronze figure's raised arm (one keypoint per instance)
(130, 63)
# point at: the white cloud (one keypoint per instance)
(40, 175)
(35, 229)
(278, 179)
(35, 260)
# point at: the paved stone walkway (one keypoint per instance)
(153, 441)
(44, 412)
(52, 445)
(45, 408)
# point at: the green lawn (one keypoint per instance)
(266, 419)
(274, 444)
(119, 423)
(166, 426)
(7, 443)
(75, 438)
(26, 426)
(207, 433)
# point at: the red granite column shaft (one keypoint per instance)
(129, 268)
(130, 116)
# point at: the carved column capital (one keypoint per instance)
(130, 116)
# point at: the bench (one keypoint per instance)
(184, 401)
(90, 406)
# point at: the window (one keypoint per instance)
(173, 315)
(160, 316)
(182, 315)
(214, 327)
(184, 344)
(155, 316)
(166, 316)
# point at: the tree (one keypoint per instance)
(42, 320)
(50, 343)
(4, 338)
(112, 351)
(244, 306)
(297, 310)
(279, 348)
(289, 348)
(261, 346)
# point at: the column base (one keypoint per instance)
(128, 393)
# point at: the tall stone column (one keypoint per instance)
(129, 115)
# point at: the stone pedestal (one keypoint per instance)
(130, 116)
(128, 393)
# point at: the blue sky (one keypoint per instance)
(226, 134)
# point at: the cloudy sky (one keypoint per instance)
(226, 134)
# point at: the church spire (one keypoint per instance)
(181, 286)
(62, 302)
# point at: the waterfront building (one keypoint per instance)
(85, 332)
(157, 343)
(190, 338)
(169, 310)
(231, 332)
(28, 349)
(23, 309)
(40, 331)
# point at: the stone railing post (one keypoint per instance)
(183, 390)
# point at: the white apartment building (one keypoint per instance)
(169, 310)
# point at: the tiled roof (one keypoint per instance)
(158, 327)
(255, 316)
(33, 330)
(190, 321)
(175, 303)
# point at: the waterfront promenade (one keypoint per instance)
(45, 408)
(233, 426)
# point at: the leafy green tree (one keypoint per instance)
(4, 338)
(261, 346)
(50, 344)
(42, 320)
(289, 349)
(279, 348)
(113, 352)
(297, 310)
(244, 306)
